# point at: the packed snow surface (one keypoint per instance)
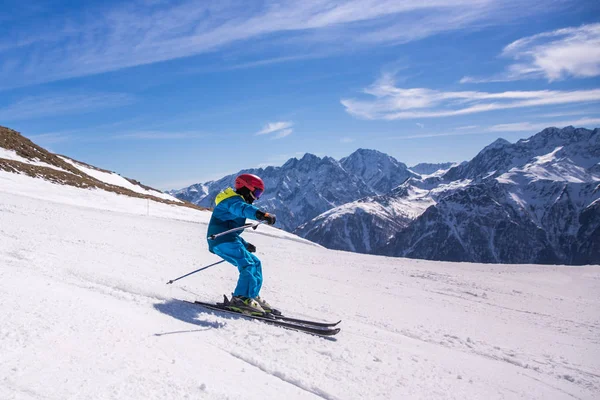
(86, 313)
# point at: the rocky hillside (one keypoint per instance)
(20, 155)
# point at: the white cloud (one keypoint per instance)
(388, 102)
(538, 126)
(420, 125)
(510, 127)
(347, 140)
(274, 127)
(129, 34)
(279, 129)
(555, 55)
(50, 105)
(467, 127)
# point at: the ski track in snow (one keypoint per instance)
(86, 314)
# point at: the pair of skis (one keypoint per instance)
(296, 324)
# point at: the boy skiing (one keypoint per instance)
(231, 210)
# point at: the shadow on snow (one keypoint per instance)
(192, 314)
(186, 312)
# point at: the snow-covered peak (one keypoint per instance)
(378, 170)
(496, 144)
(296, 192)
(580, 146)
(306, 160)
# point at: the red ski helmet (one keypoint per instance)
(252, 182)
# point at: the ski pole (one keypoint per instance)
(212, 237)
(250, 225)
(193, 272)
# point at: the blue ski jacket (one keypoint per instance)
(231, 211)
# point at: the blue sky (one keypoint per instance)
(178, 92)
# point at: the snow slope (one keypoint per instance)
(86, 313)
(115, 179)
(12, 155)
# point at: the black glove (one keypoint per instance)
(263, 216)
(250, 247)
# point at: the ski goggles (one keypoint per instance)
(257, 193)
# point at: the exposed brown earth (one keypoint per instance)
(13, 140)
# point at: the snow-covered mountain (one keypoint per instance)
(497, 222)
(367, 224)
(429, 168)
(542, 190)
(363, 225)
(301, 189)
(86, 313)
(380, 172)
(369, 202)
(570, 150)
(533, 201)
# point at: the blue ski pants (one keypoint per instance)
(250, 280)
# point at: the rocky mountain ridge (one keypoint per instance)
(534, 201)
(304, 188)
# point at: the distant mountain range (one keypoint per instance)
(301, 189)
(534, 201)
(429, 169)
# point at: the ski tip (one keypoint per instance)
(330, 332)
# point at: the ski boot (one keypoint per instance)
(266, 306)
(245, 305)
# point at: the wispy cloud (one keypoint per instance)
(561, 114)
(555, 55)
(279, 129)
(52, 105)
(69, 45)
(274, 127)
(538, 126)
(467, 127)
(420, 125)
(524, 126)
(347, 140)
(388, 102)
